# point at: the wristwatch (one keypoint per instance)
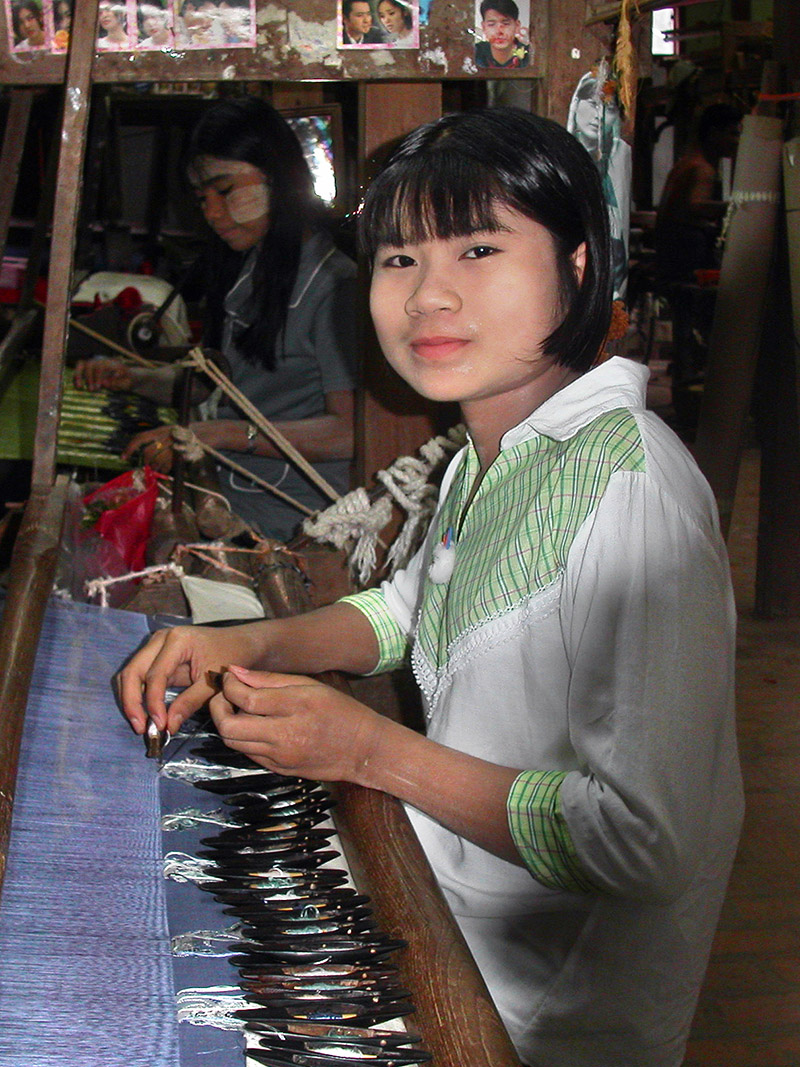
(252, 434)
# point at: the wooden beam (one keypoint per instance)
(32, 569)
(62, 248)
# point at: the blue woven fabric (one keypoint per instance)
(85, 964)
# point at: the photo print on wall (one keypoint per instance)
(504, 38)
(378, 24)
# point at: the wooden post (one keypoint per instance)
(778, 559)
(70, 170)
(738, 315)
(19, 113)
(391, 420)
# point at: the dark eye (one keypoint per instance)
(480, 252)
(397, 259)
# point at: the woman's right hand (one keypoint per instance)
(181, 656)
(102, 373)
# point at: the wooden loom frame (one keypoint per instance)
(454, 1013)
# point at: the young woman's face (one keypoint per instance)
(391, 17)
(234, 198)
(30, 25)
(464, 319)
(154, 23)
(108, 17)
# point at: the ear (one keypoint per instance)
(578, 258)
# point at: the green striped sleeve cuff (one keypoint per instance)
(541, 833)
(392, 641)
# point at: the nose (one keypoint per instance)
(433, 292)
(213, 205)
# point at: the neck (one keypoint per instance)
(489, 419)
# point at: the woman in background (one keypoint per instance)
(280, 302)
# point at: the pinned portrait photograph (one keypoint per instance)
(504, 40)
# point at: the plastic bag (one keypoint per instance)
(121, 511)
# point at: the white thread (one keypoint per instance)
(214, 1006)
(205, 942)
(99, 585)
(194, 770)
(192, 817)
(181, 867)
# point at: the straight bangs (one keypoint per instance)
(439, 196)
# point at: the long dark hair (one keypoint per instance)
(447, 178)
(247, 129)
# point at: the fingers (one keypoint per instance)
(143, 682)
(101, 373)
(155, 447)
(294, 725)
(267, 679)
(131, 684)
(185, 704)
(264, 693)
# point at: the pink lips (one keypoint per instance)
(437, 347)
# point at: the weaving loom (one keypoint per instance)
(87, 971)
(95, 427)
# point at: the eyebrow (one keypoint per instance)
(499, 228)
(225, 176)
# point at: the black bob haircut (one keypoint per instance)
(447, 178)
(502, 7)
(248, 130)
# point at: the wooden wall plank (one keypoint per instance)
(392, 420)
(19, 113)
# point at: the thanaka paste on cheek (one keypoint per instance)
(248, 203)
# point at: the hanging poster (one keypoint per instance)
(595, 120)
(29, 25)
(62, 23)
(378, 24)
(113, 29)
(503, 37)
(162, 25)
(153, 26)
(209, 24)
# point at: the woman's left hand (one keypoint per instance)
(295, 725)
(156, 448)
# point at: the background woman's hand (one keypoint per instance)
(295, 725)
(102, 373)
(156, 448)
